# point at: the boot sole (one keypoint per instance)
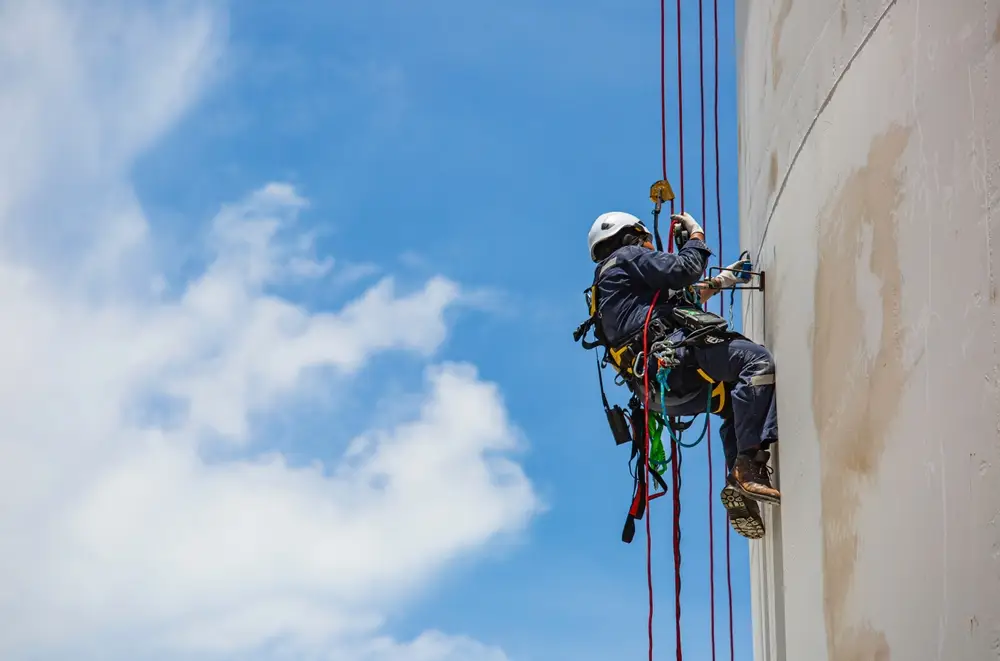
(744, 516)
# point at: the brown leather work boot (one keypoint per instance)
(751, 475)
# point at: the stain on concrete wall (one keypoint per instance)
(856, 393)
(879, 117)
(776, 63)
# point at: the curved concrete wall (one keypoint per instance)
(870, 194)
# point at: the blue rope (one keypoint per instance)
(661, 377)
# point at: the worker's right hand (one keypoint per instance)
(688, 223)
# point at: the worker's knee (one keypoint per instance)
(761, 369)
(757, 363)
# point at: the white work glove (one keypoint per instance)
(729, 277)
(687, 222)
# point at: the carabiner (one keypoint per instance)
(640, 358)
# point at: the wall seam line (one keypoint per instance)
(815, 120)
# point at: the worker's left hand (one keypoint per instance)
(705, 291)
(727, 278)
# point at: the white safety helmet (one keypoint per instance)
(609, 224)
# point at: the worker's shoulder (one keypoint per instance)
(618, 259)
(629, 253)
(696, 244)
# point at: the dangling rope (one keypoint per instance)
(708, 445)
(645, 407)
(674, 448)
(645, 338)
(645, 329)
(675, 441)
(675, 451)
(718, 215)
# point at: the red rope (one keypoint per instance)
(675, 455)
(674, 449)
(708, 440)
(645, 329)
(718, 211)
(718, 215)
(663, 95)
(729, 589)
(718, 192)
(649, 510)
(680, 104)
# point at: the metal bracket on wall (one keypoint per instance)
(749, 276)
(742, 273)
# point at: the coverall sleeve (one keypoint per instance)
(663, 270)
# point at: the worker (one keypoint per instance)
(628, 274)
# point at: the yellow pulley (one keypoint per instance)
(661, 192)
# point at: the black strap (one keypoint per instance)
(638, 507)
(656, 228)
(600, 382)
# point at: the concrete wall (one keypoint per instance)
(870, 194)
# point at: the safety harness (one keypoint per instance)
(630, 363)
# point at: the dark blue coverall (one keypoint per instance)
(626, 282)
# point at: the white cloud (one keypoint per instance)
(118, 538)
(431, 646)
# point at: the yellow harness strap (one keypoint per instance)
(617, 357)
(719, 390)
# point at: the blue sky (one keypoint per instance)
(480, 142)
(474, 142)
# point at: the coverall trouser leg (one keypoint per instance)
(747, 368)
(727, 430)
